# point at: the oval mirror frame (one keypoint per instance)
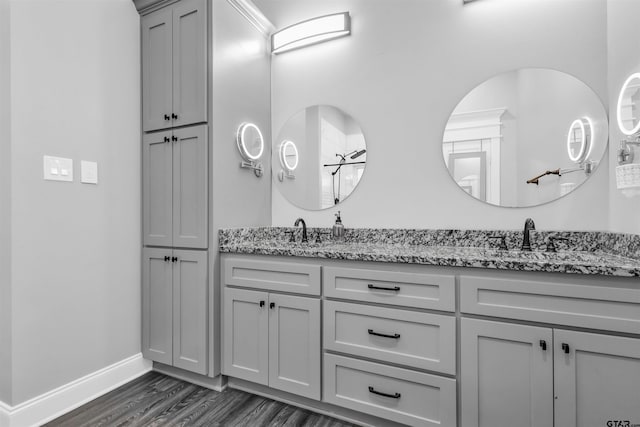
(506, 142)
(621, 104)
(327, 149)
(248, 137)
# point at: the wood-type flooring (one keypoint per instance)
(155, 400)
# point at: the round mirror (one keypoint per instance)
(327, 150)
(579, 139)
(289, 156)
(525, 137)
(250, 142)
(628, 106)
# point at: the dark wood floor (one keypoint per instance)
(155, 399)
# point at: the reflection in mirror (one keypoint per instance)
(525, 137)
(327, 150)
(579, 139)
(288, 159)
(628, 106)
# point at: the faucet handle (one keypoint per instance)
(292, 238)
(503, 242)
(551, 247)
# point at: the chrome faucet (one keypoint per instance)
(528, 226)
(304, 229)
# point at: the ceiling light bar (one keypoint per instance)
(310, 32)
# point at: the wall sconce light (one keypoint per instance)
(251, 146)
(312, 31)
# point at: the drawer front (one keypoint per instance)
(430, 291)
(401, 395)
(588, 306)
(272, 275)
(420, 340)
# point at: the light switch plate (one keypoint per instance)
(58, 169)
(88, 172)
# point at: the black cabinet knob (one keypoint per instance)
(565, 348)
(174, 116)
(167, 258)
(261, 303)
(543, 345)
(166, 139)
(167, 117)
(174, 138)
(174, 259)
(272, 305)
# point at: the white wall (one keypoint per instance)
(5, 205)
(624, 59)
(75, 247)
(240, 90)
(400, 74)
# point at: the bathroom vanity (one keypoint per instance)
(428, 335)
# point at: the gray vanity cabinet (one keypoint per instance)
(514, 374)
(174, 64)
(175, 188)
(273, 339)
(506, 374)
(596, 380)
(174, 308)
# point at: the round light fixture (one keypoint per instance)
(579, 133)
(250, 141)
(288, 149)
(627, 85)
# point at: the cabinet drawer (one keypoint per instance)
(271, 275)
(420, 340)
(582, 305)
(429, 291)
(401, 395)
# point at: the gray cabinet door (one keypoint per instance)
(190, 187)
(190, 310)
(506, 374)
(157, 296)
(245, 335)
(189, 62)
(157, 184)
(157, 73)
(597, 379)
(294, 345)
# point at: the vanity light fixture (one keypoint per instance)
(584, 127)
(311, 31)
(251, 146)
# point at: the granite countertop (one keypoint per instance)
(591, 253)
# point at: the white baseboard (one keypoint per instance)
(61, 400)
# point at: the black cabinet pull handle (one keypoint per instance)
(167, 117)
(565, 348)
(174, 116)
(543, 344)
(393, 396)
(272, 305)
(395, 288)
(174, 259)
(395, 336)
(166, 139)
(261, 303)
(174, 138)
(167, 258)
